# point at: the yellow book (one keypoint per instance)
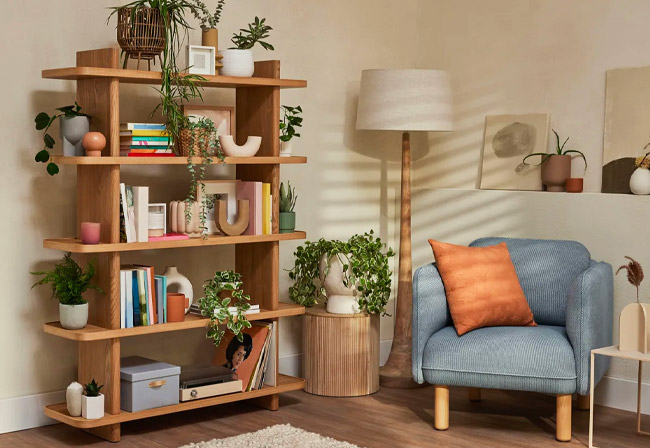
(144, 133)
(266, 209)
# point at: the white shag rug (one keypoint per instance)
(278, 436)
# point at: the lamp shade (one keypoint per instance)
(405, 100)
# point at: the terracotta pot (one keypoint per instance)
(574, 185)
(555, 171)
(94, 143)
(176, 307)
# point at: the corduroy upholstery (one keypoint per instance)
(571, 298)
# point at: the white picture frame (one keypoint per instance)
(200, 60)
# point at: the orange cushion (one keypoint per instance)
(482, 286)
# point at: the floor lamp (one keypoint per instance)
(404, 100)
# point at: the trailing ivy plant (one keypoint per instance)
(68, 281)
(559, 151)
(43, 122)
(291, 120)
(255, 34)
(203, 14)
(220, 293)
(365, 264)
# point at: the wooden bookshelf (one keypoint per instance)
(257, 109)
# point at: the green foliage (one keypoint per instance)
(203, 14)
(255, 34)
(559, 151)
(68, 281)
(287, 198)
(291, 119)
(365, 264)
(43, 122)
(92, 389)
(216, 308)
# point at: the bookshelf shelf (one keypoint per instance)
(59, 411)
(61, 160)
(95, 333)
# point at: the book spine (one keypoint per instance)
(141, 207)
(122, 299)
(141, 139)
(137, 313)
(142, 289)
(266, 208)
(142, 126)
(129, 298)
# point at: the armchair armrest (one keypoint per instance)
(589, 320)
(430, 312)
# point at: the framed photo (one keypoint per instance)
(201, 59)
(508, 139)
(222, 117)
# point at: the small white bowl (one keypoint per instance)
(231, 149)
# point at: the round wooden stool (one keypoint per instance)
(341, 353)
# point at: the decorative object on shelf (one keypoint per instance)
(223, 117)
(73, 126)
(556, 167)
(221, 217)
(157, 220)
(147, 384)
(141, 34)
(211, 191)
(291, 120)
(182, 220)
(182, 283)
(73, 398)
(626, 125)
(231, 149)
(210, 38)
(634, 328)
(341, 295)
(201, 59)
(640, 178)
(219, 308)
(209, 22)
(90, 232)
(69, 282)
(288, 200)
(238, 61)
(92, 401)
(176, 304)
(404, 100)
(507, 139)
(94, 143)
(574, 184)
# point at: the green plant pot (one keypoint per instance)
(287, 222)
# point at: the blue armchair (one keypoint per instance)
(571, 297)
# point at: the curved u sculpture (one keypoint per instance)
(221, 217)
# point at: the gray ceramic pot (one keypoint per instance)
(287, 222)
(72, 132)
(555, 171)
(73, 317)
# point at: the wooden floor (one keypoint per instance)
(390, 418)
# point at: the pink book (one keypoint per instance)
(169, 237)
(252, 191)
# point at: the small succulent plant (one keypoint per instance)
(559, 151)
(288, 198)
(92, 389)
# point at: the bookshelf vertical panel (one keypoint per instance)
(258, 264)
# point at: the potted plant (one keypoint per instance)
(74, 124)
(238, 61)
(634, 328)
(224, 302)
(556, 167)
(353, 276)
(288, 199)
(92, 401)
(291, 120)
(69, 282)
(640, 179)
(209, 22)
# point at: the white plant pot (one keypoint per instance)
(285, 149)
(73, 395)
(640, 181)
(231, 149)
(237, 63)
(73, 317)
(341, 299)
(92, 408)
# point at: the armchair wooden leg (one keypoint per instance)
(583, 402)
(563, 417)
(441, 408)
(474, 394)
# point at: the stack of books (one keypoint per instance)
(143, 296)
(145, 140)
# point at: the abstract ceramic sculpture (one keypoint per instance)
(233, 150)
(73, 398)
(182, 284)
(340, 298)
(634, 330)
(221, 218)
(90, 232)
(72, 131)
(178, 221)
(94, 143)
(555, 171)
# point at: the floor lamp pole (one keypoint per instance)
(397, 371)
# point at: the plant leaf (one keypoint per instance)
(48, 140)
(52, 169)
(42, 156)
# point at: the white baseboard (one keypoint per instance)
(26, 412)
(621, 394)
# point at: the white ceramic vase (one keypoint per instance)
(92, 408)
(285, 149)
(237, 63)
(73, 317)
(72, 131)
(341, 299)
(640, 181)
(182, 283)
(73, 395)
(231, 149)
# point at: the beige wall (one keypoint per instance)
(327, 43)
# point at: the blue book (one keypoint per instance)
(142, 126)
(137, 318)
(164, 278)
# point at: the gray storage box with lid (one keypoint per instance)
(147, 384)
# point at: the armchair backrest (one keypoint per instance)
(546, 269)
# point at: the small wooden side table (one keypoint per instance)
(614, 352)
(341, 353)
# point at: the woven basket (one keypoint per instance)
(144, 36)
(197, 140)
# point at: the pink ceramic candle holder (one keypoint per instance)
(90, 232)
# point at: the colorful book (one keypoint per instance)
(266, 209)
(252, 192)
(141, 213)
(122, 299)
(126, 278)
(142, 294)
(142, 126)
(129, 214)
(122, 223)
(144, 133)
(146, 147)
(130, 138)
(161, 295)
(131, 154)
(137, 314)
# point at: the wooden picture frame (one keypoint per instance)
(223, 117)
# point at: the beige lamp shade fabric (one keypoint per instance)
(405, 100)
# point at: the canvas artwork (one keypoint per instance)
(222, 117)
(627, 125)
(508, 139)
